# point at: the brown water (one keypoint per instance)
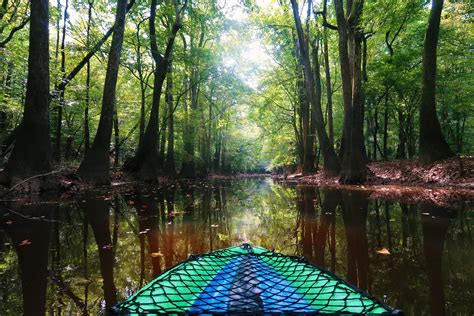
(81, 256)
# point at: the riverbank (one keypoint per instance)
(455, 172)
(442, 183)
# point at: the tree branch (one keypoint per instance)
(13, 31)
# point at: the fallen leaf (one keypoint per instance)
(383, 251)
(25, 242)
(156, 254)
(214, 225)
(9, 222)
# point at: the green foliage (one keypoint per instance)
(247, 111)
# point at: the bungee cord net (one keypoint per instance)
(249, 280)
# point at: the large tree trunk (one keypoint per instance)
(32, 152)
(145, 164)
(331, 163)
(350, 38)
(96, 164)
(433, 146)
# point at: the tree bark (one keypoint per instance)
(350, 38)
(433, 146)
(32, 152)
(96, 164)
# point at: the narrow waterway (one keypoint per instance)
(83, 255)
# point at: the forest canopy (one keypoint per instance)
(189, 88)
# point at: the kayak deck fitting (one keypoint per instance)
(249, 280)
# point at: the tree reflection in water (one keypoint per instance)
(435, 223)
(97, 210)
(425, 266)
(30, 239)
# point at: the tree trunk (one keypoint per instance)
(61, 102)
(350, 38)
(433, 146)
(146, 162)
(307, 148)
(385, 128)
(96, 164)
(170, 165)
(331, 163)
(318, 95)
(32, 152)
(116, 139)
(327, 71)
(188, 168)
(88, 80)
(402, 137)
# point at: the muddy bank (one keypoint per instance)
(454, 172)
(442, 183)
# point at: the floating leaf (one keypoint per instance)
(214, 225)
(383, 251)
(156, 254)
(223, 237)
(25, 242)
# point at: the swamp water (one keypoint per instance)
(82, 255)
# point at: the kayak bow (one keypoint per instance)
(250, 280)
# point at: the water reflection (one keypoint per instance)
(96, 211)
(30, 239)
(82, 256)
